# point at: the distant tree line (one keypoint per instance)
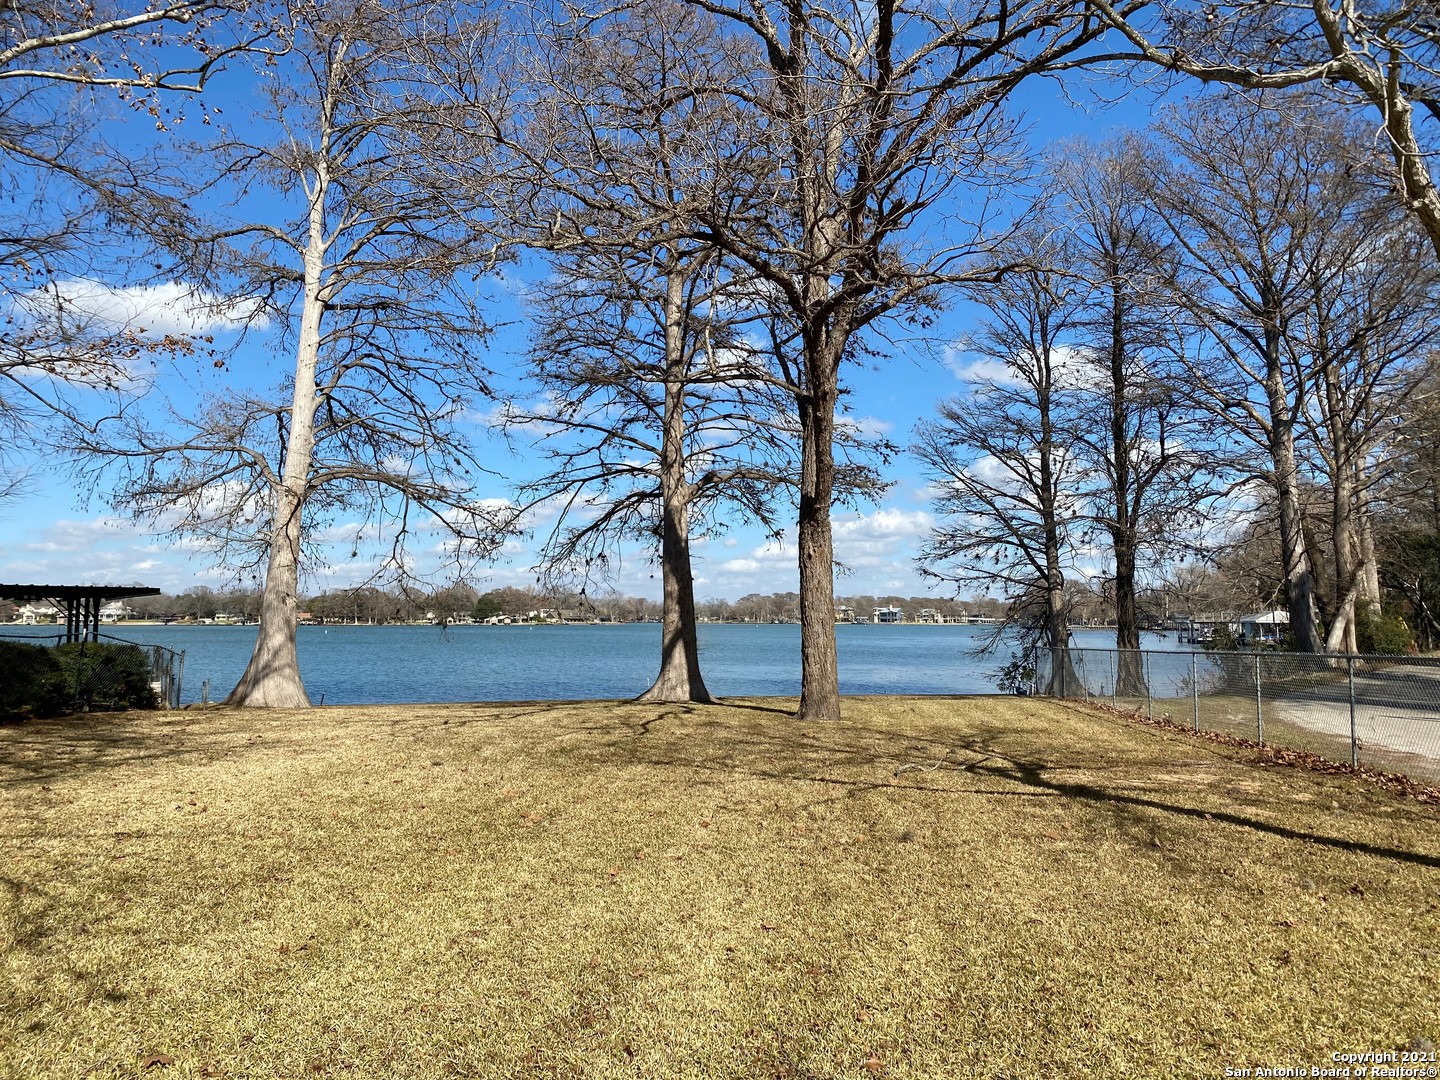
(464, 602)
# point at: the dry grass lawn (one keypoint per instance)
(935, 887)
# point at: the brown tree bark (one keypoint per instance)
(1129, 673)
(680, 678)
(1299, 577)
(819, 659)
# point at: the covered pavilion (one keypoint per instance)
(81, 603)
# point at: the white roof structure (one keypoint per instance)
(1267, 618)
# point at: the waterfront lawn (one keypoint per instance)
(933, 888)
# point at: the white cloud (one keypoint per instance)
(1069, 365)
(867, 426)
(880, 543)
(88, 306)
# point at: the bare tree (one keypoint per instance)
(656, 416)
(1134, 422)
(71, 198)
(656, 407)
(1383, 56)
(1369, 320)
(873, 115)
(1245, 200)
(1009, 489)
(363, 283)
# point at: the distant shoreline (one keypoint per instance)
(189, 624)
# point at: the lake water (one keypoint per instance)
(349, 665)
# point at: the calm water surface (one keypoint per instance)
(351, 665)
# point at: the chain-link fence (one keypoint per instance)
(47, 676)
(1382, 712)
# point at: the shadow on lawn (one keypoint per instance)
(1033, 776)
(33, 913)
(825, 756)
(41, 751)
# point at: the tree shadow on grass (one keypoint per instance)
(43, 751)
(1032, 776)
(827, 755)
(34, 919)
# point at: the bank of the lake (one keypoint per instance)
(353, 665)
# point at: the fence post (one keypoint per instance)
(1354, 740)
(1115, 679)
(1035, 670)
(1195, 690)
(1259, 712)
(1146, 670)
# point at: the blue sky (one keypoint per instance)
(55, 533)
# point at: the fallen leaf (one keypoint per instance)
(1051, 835)
(767, 926)
(157, 1060)
(874, 1064)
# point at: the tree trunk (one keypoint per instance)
(1063, 679)
(819, 663)
(679, 678)
(272, 678)
(1349, 577)
(1365, 527)
(1129, 671)
(1299, 579)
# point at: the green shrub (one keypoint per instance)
(1380, 634)
(107, 677)
(77, 676)
(26, 676)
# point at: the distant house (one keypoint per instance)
(844, 613)
(39, 611)
(115, 611)
(888, 615)
(929, 615)
(1263, 628)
